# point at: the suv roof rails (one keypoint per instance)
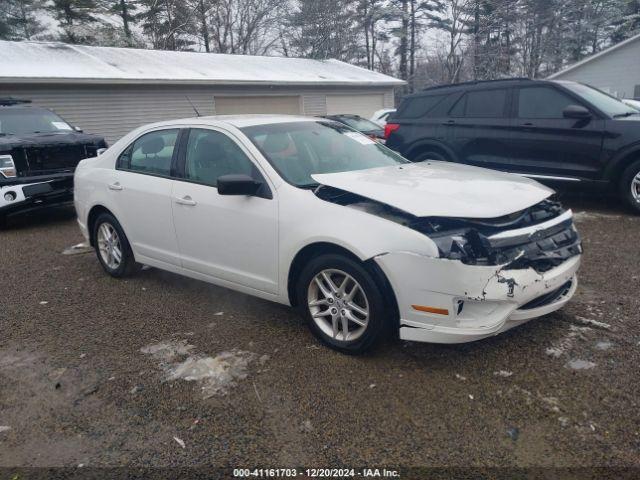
(8, 101)
(479, 82)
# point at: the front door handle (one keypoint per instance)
(115, 186)
(186, 200)
(449, 123)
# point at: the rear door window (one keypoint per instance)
(486, 103)
(542, 102)
(151, 153)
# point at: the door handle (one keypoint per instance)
(115, 186)
(186, 200)
(449, 123)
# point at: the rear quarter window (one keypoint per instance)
(416, 107)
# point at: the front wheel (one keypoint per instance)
(112, 247)
(630, 186)
(342, 303)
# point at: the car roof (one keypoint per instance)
(482, 84)
(238, 121)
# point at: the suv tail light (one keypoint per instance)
(7, 167)
(389, 128)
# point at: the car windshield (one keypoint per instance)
(298, 150)
(20, 121)
(360, 124)
(608, 104)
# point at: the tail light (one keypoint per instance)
(389, 128)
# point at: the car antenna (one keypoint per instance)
(193, 106)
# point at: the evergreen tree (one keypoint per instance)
(19, 19)
(76, 18)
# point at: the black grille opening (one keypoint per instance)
(548, 298)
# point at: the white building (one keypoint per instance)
(110, 91)
(615, 70)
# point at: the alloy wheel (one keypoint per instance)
(109, 246)
(635, 187)
(338, 305)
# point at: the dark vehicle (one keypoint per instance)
(363, 125)
(39, 152)
(553, 131)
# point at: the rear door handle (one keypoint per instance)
(449, 123)
(115, 186)
(186, 200)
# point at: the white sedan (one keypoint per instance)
(308, 212)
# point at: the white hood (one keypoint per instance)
(441, 189)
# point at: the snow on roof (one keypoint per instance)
(49, 62)
(595, 56)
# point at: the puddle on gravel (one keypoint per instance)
(216, 375)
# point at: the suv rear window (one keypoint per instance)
(419, 106)
(481, 103)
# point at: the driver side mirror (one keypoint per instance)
(577, 112)
(238, 184)
(77, 129)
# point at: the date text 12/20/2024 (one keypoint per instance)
(315, 473)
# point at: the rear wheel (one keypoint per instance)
(431, 155)
(630, 186)
(342, 303)
(112, 247)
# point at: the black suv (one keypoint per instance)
(39, 152)
(553, 131)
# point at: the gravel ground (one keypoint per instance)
(77, 388)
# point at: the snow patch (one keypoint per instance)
(604, 345)
(580, 364)
(78, 249)
(593, 323)
(216, 375)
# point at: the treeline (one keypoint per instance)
(423, 41)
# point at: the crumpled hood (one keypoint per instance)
(441, 189)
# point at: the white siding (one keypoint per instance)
(113, 111)
(360, 104)
(226, 105)
(389, 99)
(617, 71)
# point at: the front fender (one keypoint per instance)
(620, 160)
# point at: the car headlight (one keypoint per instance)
(7, 167)
(460, 245)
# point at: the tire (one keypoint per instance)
(363, 331)
(630, 186)
(105, 225)
(431, 155)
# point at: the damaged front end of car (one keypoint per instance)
(490, 273)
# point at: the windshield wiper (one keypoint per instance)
(308, 185)
(625, 114)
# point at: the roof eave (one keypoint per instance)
(155, 81)
(593, 57)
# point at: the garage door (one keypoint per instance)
(363, 105)
(249, 104)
